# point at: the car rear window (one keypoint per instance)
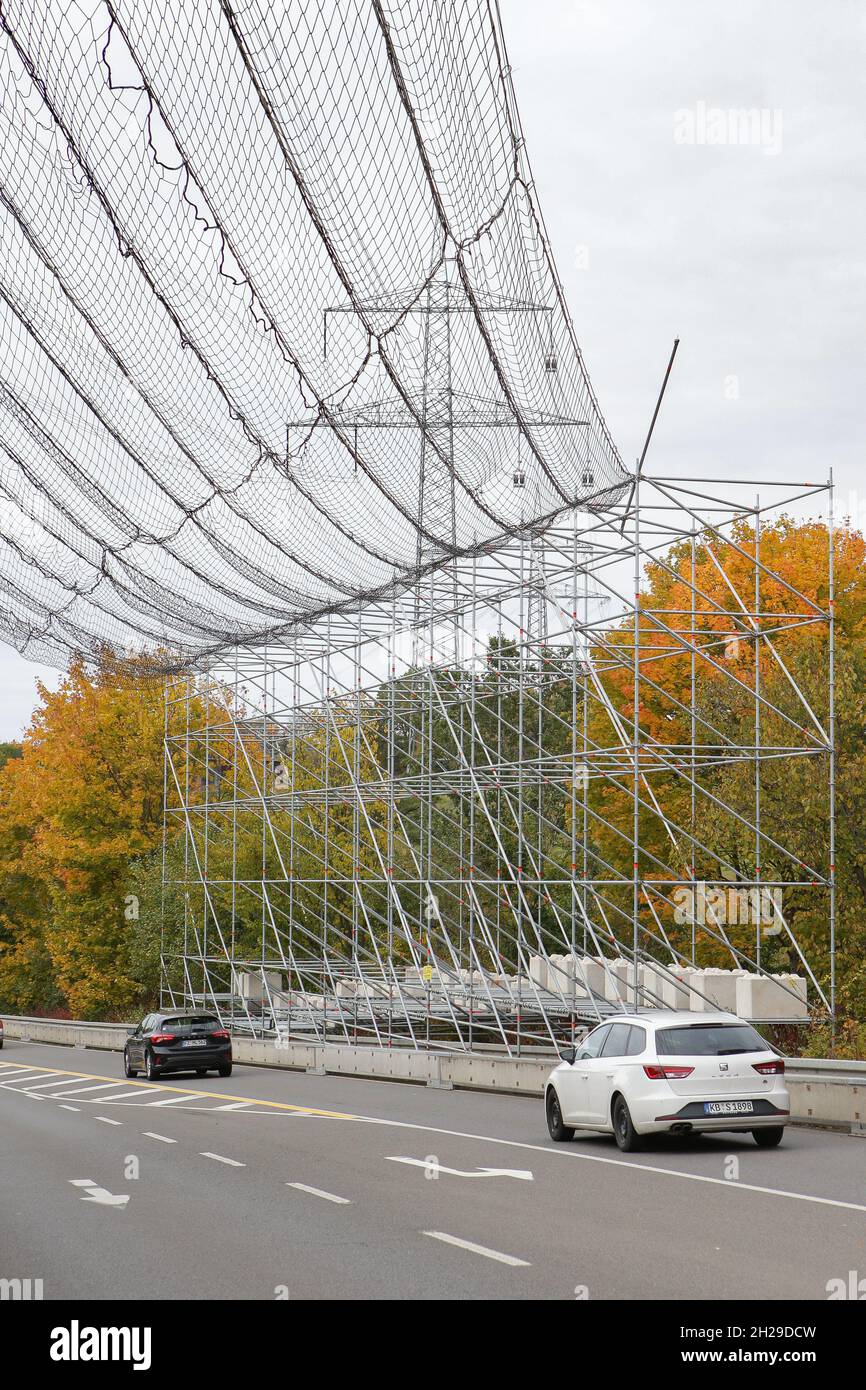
(708, 1040)
(199, 1021)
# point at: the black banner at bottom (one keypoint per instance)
(215, 1340)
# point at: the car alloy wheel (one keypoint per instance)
(627, 1137)
(560, 1133)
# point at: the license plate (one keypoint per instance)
(728, 1107)
(195, 1042)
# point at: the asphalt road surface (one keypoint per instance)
(275, 1184)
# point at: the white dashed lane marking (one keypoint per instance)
(476, 1249)
(317, 1192)
(557, 1153)
(218, 1158)
(163, 1138)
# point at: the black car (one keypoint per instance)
(178, 1042)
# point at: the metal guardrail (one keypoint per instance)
(824, 1091)
(64, 1022)
(825, 1068)
(527, 1050)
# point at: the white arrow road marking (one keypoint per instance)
(105, 1198)
(554, 1152)
(317, 1192)
(476, 1249)
(233, 1162)
(523, 1173)
(101, 1195)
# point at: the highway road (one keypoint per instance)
(276, 1184)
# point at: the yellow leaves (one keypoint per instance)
(82, 802)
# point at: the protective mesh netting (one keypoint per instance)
(280, 323)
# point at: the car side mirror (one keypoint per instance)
(567, 1054)
(131, 1032)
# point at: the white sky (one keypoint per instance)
(754, 255)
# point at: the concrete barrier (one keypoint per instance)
(823, 1092)
(675, 988)
(105, 1037)
(538, 971)
(827, 1092)
(771, 996)
(714, 989)
(479, 1071)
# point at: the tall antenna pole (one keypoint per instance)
(649, 434)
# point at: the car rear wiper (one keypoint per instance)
(734, 1051)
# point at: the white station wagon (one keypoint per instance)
(664, 1072)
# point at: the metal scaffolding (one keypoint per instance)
(438, 822)
(472, 734)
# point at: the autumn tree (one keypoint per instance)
(80, 806)
(790, 662)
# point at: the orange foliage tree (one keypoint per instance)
(794, 798)
(82, 803)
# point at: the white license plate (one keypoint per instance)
(728, 1107)
(195, 1042)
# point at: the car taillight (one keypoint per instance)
(776, 1068)
(161, 1037)
(668, 1073)
(222, 1034)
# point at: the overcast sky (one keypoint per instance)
(752, 252)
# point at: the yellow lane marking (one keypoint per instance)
(558, 1152)
(212, 1095)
